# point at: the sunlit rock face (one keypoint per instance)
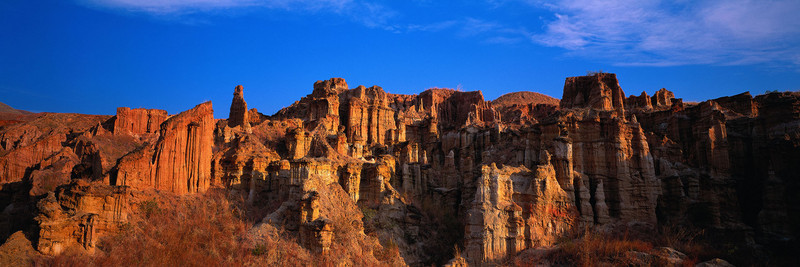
(179, 161)
(503, 176)
(238, 114)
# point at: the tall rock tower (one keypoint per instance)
(238, 115)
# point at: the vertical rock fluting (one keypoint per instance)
(180, 161)
(721, 161)
(238, 114)
(183, 152)
(515, 209)
(600, 91)
(138, 121)
(79, 215)
(611, 152)
(367, 117)
(726, 165)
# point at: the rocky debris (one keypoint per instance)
(239, 115)
(138, 121)
(669, 256)
(179, 161)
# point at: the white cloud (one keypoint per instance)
(654, 32)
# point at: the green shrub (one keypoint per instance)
(149, 208)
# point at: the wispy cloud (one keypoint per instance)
(663, 33)
(622, 32)
(492, 32)
(178, 7)
(371, 15)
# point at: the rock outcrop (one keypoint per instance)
(662, 99)
(423, 173)
(138, 121)
(600, 91)
(515, 209)
(179, 161)
(79, 215)
(238, 114)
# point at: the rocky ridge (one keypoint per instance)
(426, 172)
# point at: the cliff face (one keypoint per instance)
(600, 91)
(725, 163)
(179, 161)
(138, 121)
(423, 172)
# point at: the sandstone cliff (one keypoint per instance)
(361, 169)
(179, 161)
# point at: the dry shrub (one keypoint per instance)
(687, 241)
(619, 245)
(446, 231)
(192, 231)
(201, 231)
(592, 248)
(212, 230)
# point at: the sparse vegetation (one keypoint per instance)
(623, 246)
(149, 208)
(448, 232)
(210, 230)
(592, 248)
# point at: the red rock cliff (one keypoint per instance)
(180, 161)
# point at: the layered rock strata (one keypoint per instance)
(426, 172)
(179, 161)
(138, 121)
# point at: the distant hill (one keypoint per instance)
(9, 115)
(523, 98)
(8, 109)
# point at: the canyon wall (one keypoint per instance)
(424, 172)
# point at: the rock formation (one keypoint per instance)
(78, 215)
(662, 98)
(600, 91)
(238, 115)
(424, 172)
(515, 209)
(179, 161)
(138, 121)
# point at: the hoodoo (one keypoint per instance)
(361, 176)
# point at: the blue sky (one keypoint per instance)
(92, 56)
